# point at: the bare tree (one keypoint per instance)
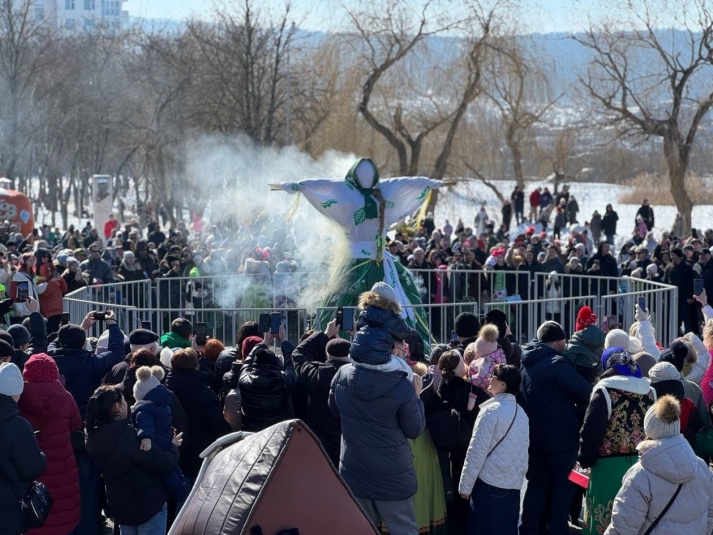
(650, 82)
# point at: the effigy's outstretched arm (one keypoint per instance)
(331, 198)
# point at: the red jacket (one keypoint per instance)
(535, 198)
(109, 227)
(52, 411)
(51, 297)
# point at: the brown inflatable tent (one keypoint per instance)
(277, 480)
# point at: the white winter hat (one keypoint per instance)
(384, 291)
(652, 268)
(617, 338)
(635, 345)
(165, 357)
(146, 380)
(663, 420)
(11, 383)
(663, 371)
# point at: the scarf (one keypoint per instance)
(620, 360)
(370, 210)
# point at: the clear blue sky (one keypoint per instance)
(544, 15)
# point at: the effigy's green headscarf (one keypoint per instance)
(358, 176)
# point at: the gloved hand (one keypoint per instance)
(640, 314)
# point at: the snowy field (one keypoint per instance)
(464, 200)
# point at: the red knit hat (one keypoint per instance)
(41, 368)
(585, 318)
(248, 344)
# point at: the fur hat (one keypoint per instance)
(11, 383)
(487, 341)
(41, 368)
(663, 420)
(467, 325)
(617, 338)
(146, 380)
(585, 318)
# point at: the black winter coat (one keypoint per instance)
(681, 276)
(315, 378)
(83, 371)
(225, 361)
(609, 220)
(203, 414)
(131, 476)
(266, 388)
(554, 397)
(21, 463)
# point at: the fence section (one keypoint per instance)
(225, 302)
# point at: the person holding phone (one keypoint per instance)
(25, 274)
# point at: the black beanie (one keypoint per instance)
(6, 350)
(467, 325)
(550, 331)
(72, 336)
(339, 348)
(499, 319)
(676, 354)
(6, 337)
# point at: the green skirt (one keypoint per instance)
(604, 484)
(358, 275)
(429, 502)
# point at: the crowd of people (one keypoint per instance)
(436, 442)
(427, 443)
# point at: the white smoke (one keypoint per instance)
(232, 176)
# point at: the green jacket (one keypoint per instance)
(584, 350)
(173, 340)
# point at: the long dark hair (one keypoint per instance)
(101, 404)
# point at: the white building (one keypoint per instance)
(80, 14)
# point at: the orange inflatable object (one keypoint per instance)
(16, 208)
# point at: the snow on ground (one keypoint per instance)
(464, 200)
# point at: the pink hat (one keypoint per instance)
(487, 341)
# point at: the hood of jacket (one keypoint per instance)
(373, 316)
(372, 299)
(173, 340)
(41, 399)
(102, 439)
(586, 345)
(534, 352)
(670, 458)
(8, 407)
(159, 395)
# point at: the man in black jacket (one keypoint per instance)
(680, 274)
(315, 377)
(29, 343)
(647, 214)
(554, 397)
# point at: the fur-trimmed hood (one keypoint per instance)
(375, 300)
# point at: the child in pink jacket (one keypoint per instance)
(487, 356)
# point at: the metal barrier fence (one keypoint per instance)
(225, 302)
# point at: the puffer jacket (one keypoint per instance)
(315, 378)
(83, 370)
(379, 324)
(506, 465)
(379, 411)
(649, 485)
(698, 368)
(584, 350)
(645, 333)
(21, 462)
(555, 398)
(266, 388)
(52, 411)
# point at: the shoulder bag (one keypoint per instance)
(517, 407)
(35, 505)
(655, 523)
